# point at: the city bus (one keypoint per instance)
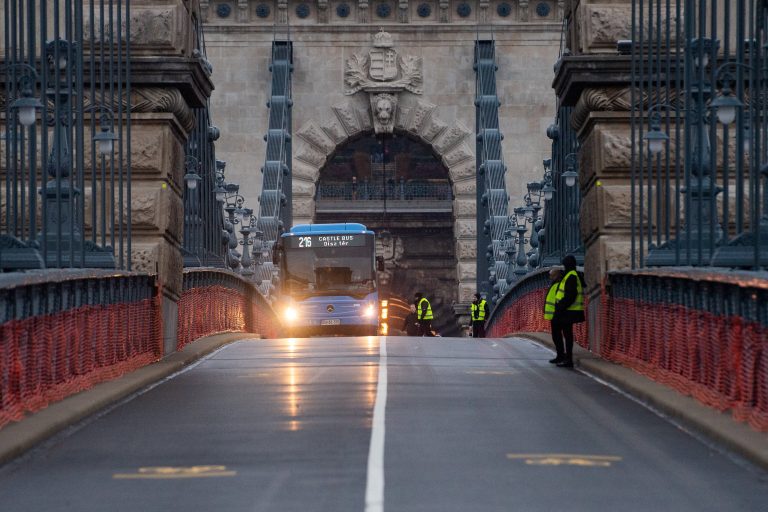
(328, 280)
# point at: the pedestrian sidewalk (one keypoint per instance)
(685, 410)
(17, 438)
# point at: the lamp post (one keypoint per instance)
(522, 258)
(701, 225)
(749, 248)
(63, 226)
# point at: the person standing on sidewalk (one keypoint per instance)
(423, 314)
(555, 275)
(569, 309)
(479, 309)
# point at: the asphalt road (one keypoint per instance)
(379, 424)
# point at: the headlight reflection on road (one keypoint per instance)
(292, 389)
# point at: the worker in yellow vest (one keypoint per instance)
(423, 314)
(569, 310)
(555, 276)
(479, 310)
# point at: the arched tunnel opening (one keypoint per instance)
(400, 189)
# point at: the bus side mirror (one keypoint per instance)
(380, 263)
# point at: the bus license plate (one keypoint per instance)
(332, 321)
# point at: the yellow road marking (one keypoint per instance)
(164, 472)
(565, 459)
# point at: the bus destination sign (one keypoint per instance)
(321, 241)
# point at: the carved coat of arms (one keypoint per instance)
(383, 67)
(383, 64)
(383, 73)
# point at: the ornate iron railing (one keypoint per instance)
(65, 167)
(698, 185)
(561, 234)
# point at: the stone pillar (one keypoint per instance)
(169, 78)
(594, 79)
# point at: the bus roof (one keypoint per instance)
(328, 229)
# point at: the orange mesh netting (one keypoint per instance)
(49, 357)
(215, 309)
(526, 314)
(720, 360)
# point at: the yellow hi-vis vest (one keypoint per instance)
(549, 303)
(478, 310)
(426, 315)
(578, 304)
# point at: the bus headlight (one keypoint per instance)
(369, 311)
(290, 314)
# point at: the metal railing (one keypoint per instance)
(402, 190)
(65, 167)
(203, 216)
(561, 234)
(699, 152)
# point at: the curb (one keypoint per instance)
(18, 437)
(716, 426)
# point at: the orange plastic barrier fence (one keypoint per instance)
(526, 314)
(720, 360)
(46, 358)
(216, 309)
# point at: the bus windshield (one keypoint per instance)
(329, 270)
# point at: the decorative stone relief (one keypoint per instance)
(242, 11)
(523, 10)
(282, 11)
(334, 130)
(383, 69)
(348, 117)
(433, 129)
(402, 14)
(383, 74)
(317, 137)
(322, 11)
(363, 16)
(444, 12)
(482, 12)
(467, 188)
(458, 155)
(418, 115)
(452, 137)
(612, 99)
(383, 106)
(155, 99)
(204, 9)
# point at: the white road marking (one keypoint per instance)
(374, 486)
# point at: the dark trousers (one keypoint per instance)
(563, 331)
(425, 328)
(478, 328)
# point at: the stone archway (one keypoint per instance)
(316, 140)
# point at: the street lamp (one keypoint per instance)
(570, 175)
(27, 105)
(106, 138)
(191, 178)
(701, 191)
